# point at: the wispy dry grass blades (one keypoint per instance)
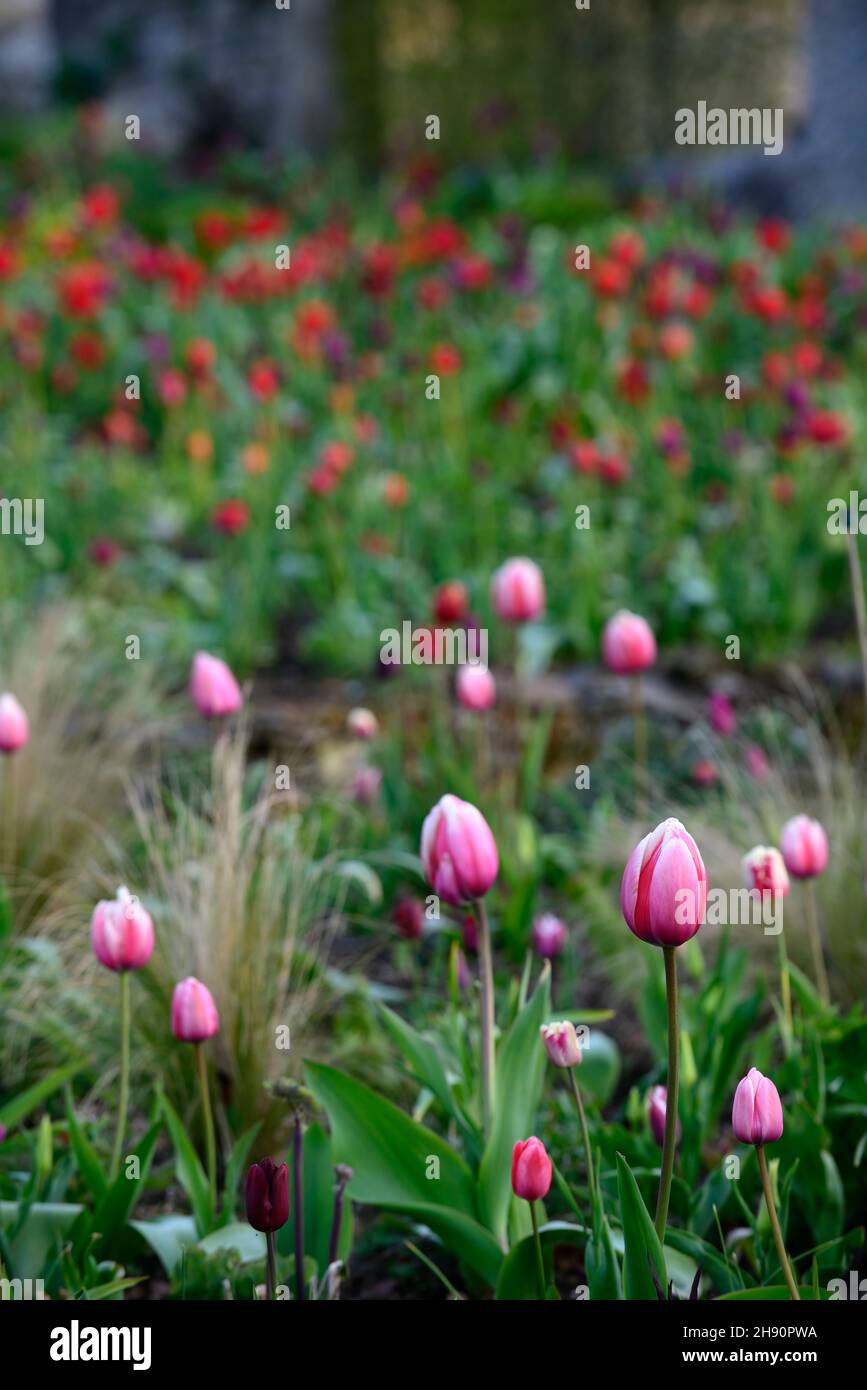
(245, 898)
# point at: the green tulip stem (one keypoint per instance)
(208, 1118)
(785, 988)
(123, 1100)
(671, 1096)
(486, 971)
(540, 1263)
(270, 1268)
(775, 1223)
(582, 1119)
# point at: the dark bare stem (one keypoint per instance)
(270, 1268)
(669, 954)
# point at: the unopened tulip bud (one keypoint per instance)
(518, 591)
(757, 1113)
(663, 893)
(366, 783)
(765, 871)
(458, 851)
(14, 728)
(561, 1044)
(475, 687)
(656, 1113)
(214, 690)
(408, 916)
(121, 932)
(549, 935)
(628, 645)
(267, 1195)
(721, 714)
(531, 1170)
(194, 1013)
(362, 724)
(805, 847)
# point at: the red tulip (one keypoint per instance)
(518, 591)
(531, 1170)
(267, 1195)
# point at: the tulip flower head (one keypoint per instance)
(805, 847)
(549, 935)
(408, 916)
(531, 1170)
(366, 784)
(757, 1114)
(721, 714)
(561, 1044)
(14, 727)
(765, 871)
(267, 1195)
(656, 1110)
(518, 591)
(628, 645)
(194, 1013)
(121, 932)
(663, 893)
(458, 851)
(362, 724)
(214, 690)
(475, 687)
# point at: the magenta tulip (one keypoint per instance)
(757, 1114)
(663, 893)
(518, 591)
(721, 715)
(121, 932)
(267, 1195)
(531, 1170)
(549, 935)
(561, 1044)
(805, 847)
(458, 851)
(475, 688)
(214, 690)
(656, 1111)
(14, 727)
(628, 645)
(194, 1013)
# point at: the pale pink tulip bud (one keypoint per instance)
(805, 847)
(757, 1114)
(121, 932)
(366, 783)
(362, 724)
(663, 893)
(458, 851)
(475, 687)
(656, 1111)
(757, 762)
(561, 1044)
(518, 591)
(214, 690)
(628, 645)
(549, 935)
(765, 871)
(14, 728)
(194, 1013)
(721, 714)
(531, 1170)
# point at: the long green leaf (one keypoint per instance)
(20, 1106)
(85, 1156)
(189, 1170)
(640, 1241)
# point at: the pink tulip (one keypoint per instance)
(214, 690)
(663, 893)
(362, 724)
(628, 645)
(531, 1170)
(518, 591)
(366, 784)
(656, 1109)
(121, 932)
(194, 1013)
(14, 728)
(475, 687)
(757, 762)
(549, 935)
(458, 851)
(721, 714)
(561, 1044)
(765, 871)
(757, 1114)
(805, 847)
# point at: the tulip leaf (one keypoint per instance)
(113, 1212)
(599, 1071)
(519, 1276)
(402, 1166)
(85, 1157)
(241, 1239)
(602, 1265)
(520, 1065)
(424, 1058)
(43, 1232)
(20, 1106)
(188, 1168)
(641, 1244)
(771, 1293)
(168, 1236)
(234, 1168)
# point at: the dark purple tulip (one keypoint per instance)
(267, 1195)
